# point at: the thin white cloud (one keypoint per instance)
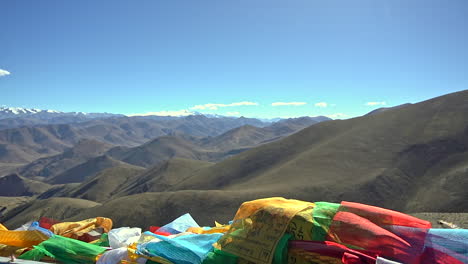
(321, 104)
(216, 106)
(166, 113)
(288, 103)
(4, 73)
(337, 115)
(376, 103)
(242, 103)
(233, 114)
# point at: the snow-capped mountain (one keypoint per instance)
(20, 112)
(11, 112)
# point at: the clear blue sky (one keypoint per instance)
(150, 56)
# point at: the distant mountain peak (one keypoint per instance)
(21, 112)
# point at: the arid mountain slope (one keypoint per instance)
(161, 177)
(386, 159)
(50, 167)
(55, 208)
(412, 158)
(28, 143)
(87, 170)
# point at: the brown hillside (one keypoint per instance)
(161, 177)
(56, 208)
(86, 170)
(387, 159)
(105, 184)
(161, 149)
(50, 167)
(14, 185)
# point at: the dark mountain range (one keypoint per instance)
(14, 117)
(202, 126)
(208, 149)
(175, 157)
(83, 161)
(411, 158)
(16, 122)
(25, 144)
(388, 159)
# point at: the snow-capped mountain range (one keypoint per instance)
(20, 112)
(23, 111)
(11, 117)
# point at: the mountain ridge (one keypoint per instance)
(411, 158)
(333, 153)
(15, 112)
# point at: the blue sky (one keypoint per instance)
(231, 57)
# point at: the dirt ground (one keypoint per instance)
(459, 219)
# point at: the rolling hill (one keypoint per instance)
(389, 159)
(28, 143)
(247, 136)
(89, 157)
(161, 177)
(104, 185)
(411, 158)
(50, 167)
(86, 170)
(55, 208)
(147, 209)
(211, 149)
(160, 150)
(126, 179)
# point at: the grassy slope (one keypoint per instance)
(387, 159)
(57, 208)
(106, 183)
(49, 167)
(86, 170)
(161, 177)
(411, 159)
